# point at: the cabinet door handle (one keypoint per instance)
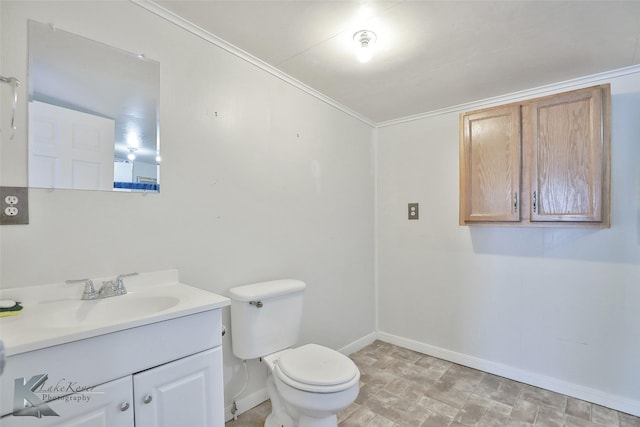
(147, 399)
(515, 203)
(124, 406)
(535, 202)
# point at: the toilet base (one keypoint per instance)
(305, 421)
(274, 420)
(278, 416)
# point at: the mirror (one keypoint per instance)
(93, 114)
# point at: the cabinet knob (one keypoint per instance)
(224, 330)
(124, 406)
(147, 398)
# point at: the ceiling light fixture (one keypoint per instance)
(365, 40)
(132, 153)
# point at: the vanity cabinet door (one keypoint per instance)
(490, 165)
(187, 392)
(107, 405)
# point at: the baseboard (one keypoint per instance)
(359, 344)
(248, 402)
(618, 403)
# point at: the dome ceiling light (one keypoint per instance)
(365, 40)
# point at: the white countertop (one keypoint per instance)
(54, 314)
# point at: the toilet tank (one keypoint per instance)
(265, 317)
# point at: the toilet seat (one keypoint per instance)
(316, 369)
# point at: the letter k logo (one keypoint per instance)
(26, 403)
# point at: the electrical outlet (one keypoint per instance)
(11, 211)
(15, 205)
(413, 211)
(11, 200)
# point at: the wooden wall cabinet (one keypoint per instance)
(543, 162)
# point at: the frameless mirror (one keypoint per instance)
(93, 114)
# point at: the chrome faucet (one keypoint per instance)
(89, 291)
(110, 288)
(115, 287)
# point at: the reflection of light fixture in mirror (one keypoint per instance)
(133, 138)
(365, 40)
(132, 154)
(158, 158)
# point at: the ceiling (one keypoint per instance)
(430, 54)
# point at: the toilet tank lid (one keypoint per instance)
(265, 290)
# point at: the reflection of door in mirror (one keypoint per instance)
(69, 149)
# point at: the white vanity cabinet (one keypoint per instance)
(184, 392)
(159, 370)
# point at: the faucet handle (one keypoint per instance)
(119, 288)
(89, 291)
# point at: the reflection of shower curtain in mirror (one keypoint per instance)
(123, 172)
(69, 149)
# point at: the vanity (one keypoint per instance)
(151, 357)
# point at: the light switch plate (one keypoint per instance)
(14, 204)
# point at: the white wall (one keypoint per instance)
(554, 307)
(279, 184)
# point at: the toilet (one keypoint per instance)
(307, 385)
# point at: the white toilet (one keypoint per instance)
(307, 385)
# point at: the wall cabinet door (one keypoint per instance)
(187, 392)
(490, 165)
(107, 405)
(567, 156)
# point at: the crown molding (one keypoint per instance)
(175, 19)
(549, 89)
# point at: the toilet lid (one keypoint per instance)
(314, 364)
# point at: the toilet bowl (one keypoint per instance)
(307, 385)
(312, 384)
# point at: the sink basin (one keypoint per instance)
(71, 313)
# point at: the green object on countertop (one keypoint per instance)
(15, 307)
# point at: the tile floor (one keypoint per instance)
(403, 388)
